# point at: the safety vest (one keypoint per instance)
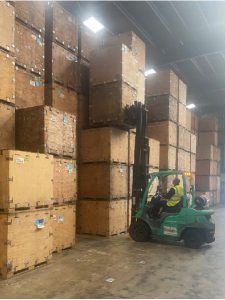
(176, 198)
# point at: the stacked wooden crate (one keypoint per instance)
(208, 159)
(105, 172)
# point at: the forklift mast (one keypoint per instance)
(137, 116)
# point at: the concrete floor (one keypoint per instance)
(137, 270)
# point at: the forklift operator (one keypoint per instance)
(173, 202)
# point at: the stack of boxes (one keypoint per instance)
(208, 159)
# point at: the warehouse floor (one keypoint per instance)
(121, 268)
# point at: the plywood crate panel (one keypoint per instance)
(61, 98)
(183, 160)
(182, 114)
(31, 13)
(168, 156)
(184, 138)
(208, 152)
(140, 87)
(105, 218)
(53, 131)
(193, 162)
(206, 183)
(106, 144)
(165, 132)
(84, 77)
(131, 145)
(103, 181)
(208, 138)
(121, 66)
(7, 77)
(63, 223)
(61, 66)
(161, 83)
(29, 48)
(193, 143)
(7, 126)
(25, 180)
(208, 123)
(107, 103)
(182, 92)
(64, 180)
(61, 26)
(7, 26)
(162, 108)
(25, 241)
(132, 41)
(154, 147)
(83, 112)
(206, 167)
(29, 89)
(194, 123)
(188, 119)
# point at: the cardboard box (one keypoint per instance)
(46, 130)
(168, 157)
(121, 66)
(108, 101)
(208, 138)
(208, 123)
(206, 167)
(103, 181)
(165, 132)
(105, 218)
(64, 180)
(7, 126)
(7, 26)
(61, 26)
(106, 144)
(7, 77)
(63, 223)
(61, 98)
(29, 47)
(182, 114)
(162, 83)
(29, 89)
(25, 180)
(25, 241)
(182, 92)
(162, 108)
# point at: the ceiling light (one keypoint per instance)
(191, 106)
(93, 24)
(149, 72)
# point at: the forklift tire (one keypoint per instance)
(193, 238)
(139, 231)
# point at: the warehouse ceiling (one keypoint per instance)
(188, 37)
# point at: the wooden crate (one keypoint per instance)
(107, 103)
(63, 223)
(206, 183)
(25, 241)
(25, 180)
(162, 83)
(188, 119)
(208, 138)
(165, 132)
(121, 66)
(7, 77)
(206, 152)
(183, 160)
(184, 139)
(84, 77)
(182, 114)
(194, 123)
(61, 66)
(103, 181)
(61, 26)
(7, 26)
(53, 131)
(29, 47)
(208, 123)
(132, 41)
(162, 108)
(131, 146)
(193, 143)
(83, 112)
(193, 162)
(64, 180)
(32, 13)
(61, 98)
(104, 218)
(140, 87)
(182, 94)
(154, 147)
(7, 126)
(29, 89)
(168, 155)
(206, 167)
(106, 144)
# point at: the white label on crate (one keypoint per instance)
(54, 217)
(61, 219)
(167, 230)
(32, 82)
(65, 120)
(39, 223)
(70, 168)
(20, 160)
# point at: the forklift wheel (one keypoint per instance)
(193, 238)
(139, 231)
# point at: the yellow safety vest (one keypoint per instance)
(176, 198)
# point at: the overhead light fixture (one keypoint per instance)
(150, 71)
(93, 24)
(191, 106)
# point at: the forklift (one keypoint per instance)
(193, 224)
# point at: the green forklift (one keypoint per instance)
(193, 224)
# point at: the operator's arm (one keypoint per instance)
(169, 194)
